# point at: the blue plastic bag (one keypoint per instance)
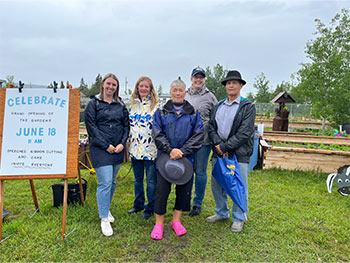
(226, 171)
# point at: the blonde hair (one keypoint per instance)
(153, 93)
(116, 93)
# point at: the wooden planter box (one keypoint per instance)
(305, 159)
(294, 137)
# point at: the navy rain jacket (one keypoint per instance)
(106, 124)
(183, 131)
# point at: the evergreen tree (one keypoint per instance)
(160, 90)
(62, 85)
(95, 87)
(251, 96)
(213, 81)
(284, 86)
(262, 85)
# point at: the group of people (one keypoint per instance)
(171, 144)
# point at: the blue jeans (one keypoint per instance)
(106, 178)
(201, 159)
(220, 195)
(139, 167)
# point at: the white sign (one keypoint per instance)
(35, 132)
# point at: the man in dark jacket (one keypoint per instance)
(231, 130)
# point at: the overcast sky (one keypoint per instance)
(43, 41)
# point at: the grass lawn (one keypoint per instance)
(292, 217)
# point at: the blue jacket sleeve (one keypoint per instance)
(158, 134)
(195, 142)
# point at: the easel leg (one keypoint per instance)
(1, 205)
(65, 195)
(34, 195)
(81, 187)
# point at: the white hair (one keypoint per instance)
(178, 82)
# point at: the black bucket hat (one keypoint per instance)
(177, 171)
(233, 75)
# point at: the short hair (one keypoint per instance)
(177, 82)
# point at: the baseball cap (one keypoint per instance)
(198, 70)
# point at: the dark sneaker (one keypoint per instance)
(146, 215)
(196, 210)
(134, 210)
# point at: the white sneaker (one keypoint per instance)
(106, 227)
(237, 226)
(110, 217)
(214, 218)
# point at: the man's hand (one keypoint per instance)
(176, 154)
(217, 147)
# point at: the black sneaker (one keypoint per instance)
(146, 215)
(196, 210)
(134, 210)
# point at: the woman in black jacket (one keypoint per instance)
(107, 123)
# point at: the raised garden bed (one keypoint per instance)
(305, 159)
(305, 152)
(293, 124)
(293, 137)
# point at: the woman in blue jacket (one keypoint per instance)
(107, 123)
(178, 133)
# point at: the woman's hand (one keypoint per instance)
(119, 148)
(176, 154)
(110, 149)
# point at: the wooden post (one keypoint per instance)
(65, 195)
(81, 187)
(34, 195)
(1, 205)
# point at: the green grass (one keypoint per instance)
(292, 217)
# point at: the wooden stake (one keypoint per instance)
(81, 187)
(1, 205)
(34, 195)
(65, 195)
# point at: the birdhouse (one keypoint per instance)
(280, 122)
